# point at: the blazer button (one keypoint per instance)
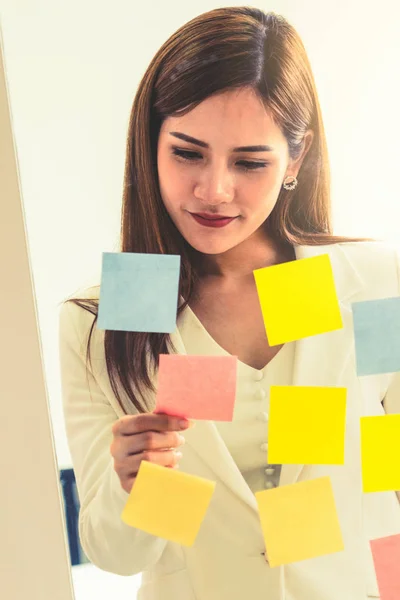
(264, 447)
(269, 471)
(260, 394)
(269, 485)
(258, 375)
(262, 416)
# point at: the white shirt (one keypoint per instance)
(246, 436)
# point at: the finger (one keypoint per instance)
(148, 440)
(131, 424)
(163, 458)
(154, 440)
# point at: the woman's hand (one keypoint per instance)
(147, 436)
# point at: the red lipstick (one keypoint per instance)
(210, 220)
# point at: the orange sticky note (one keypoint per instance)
(306, 425)
(197, 387)
(386, 555)
(299, 521)
(167, 503)
(380, 453)
(298, 299)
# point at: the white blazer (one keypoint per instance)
(226, 561)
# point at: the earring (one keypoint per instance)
(291, 184)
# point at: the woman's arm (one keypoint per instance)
(107, 541)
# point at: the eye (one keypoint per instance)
(186, 154)
(192, 156)
(249, 165)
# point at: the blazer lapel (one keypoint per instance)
(319, 361)
(206, 441)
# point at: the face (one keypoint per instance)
(208, 176)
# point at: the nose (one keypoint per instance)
(216, 186)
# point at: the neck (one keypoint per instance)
(238, 263)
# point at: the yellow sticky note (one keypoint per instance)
(299, 521)
(380, 453)
(306, 425)
(298, 299)
(168, 503)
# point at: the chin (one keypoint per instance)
(213, 243)
(208, 247)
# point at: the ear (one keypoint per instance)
(294, 166)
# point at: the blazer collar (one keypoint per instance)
(319, 361)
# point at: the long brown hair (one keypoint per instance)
(223, 49)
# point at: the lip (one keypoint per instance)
(214, 222)
(212, 217)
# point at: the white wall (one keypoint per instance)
(73, 68)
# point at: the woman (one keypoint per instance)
(228, 79)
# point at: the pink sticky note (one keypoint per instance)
(197, 387)
(386, 555)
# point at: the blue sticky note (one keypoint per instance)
(139, 292)
(377, 336)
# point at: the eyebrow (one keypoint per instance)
(192, 140)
